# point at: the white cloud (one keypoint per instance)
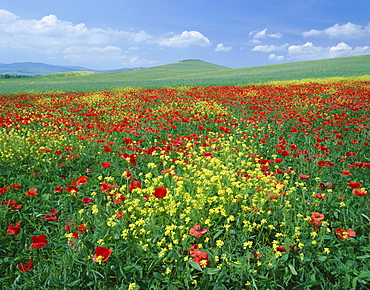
(52, 34)
(6, 16)
(345, 31)
(273, 56)
(221, 47)
(185, 39)
(263, 34)
(269, 48)
(309, 51)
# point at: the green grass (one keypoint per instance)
(190, 73)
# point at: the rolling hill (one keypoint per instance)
(190, 73)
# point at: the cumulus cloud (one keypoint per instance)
(309, 51)
(221, 47)
(344, 31)
(263, 34)
(275, 57)
(269, 48)
(185, 39)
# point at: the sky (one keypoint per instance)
(116, 34)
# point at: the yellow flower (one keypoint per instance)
(131, 286)
(326, 250)
(219, 243)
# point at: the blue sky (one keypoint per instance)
(144, 33)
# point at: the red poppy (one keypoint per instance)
(52, 217)
(58, 189)
(13, 230)
(359, 192)
(197, 231)
(302, 176)
(12, 204)
(317, 216)
(106, 164)
(134, 184)
(87, 200)
(160, 192)
(25, 267)
(200, 257)
(119, 215)
(345, 234)
(354, 184)
(31, 192)
(38, 242)
(102, 254)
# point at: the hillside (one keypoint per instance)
(38, 68)
(191, 73)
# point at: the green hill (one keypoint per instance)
(190, 73)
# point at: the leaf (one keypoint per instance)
(218, 234)
(158, 275)
(364, 274)
(212, 271)
(195, 265)
(322, 258)
(363, 257)
(284, 257)
(292, 269)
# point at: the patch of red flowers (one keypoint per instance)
(345, 234)
(359, 192)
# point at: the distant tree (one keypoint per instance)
(8, 76)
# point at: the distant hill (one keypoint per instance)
(38, 68)
(190, 73)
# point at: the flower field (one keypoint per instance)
(228, 187)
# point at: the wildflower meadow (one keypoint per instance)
(260, 186)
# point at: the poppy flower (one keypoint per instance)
(38, 242)
(106, 164)
(354, 184)
(134, 184)
(12, 204)
(197, 231)
(25, 267)
(52, 217)
(200, 257)
(102, 254)
(359, 192)
(31, 192)
(13, 230)
(160, 192)
(87, 200)
(58, 189)
(345, 234)
(302, 176)
(317, 216)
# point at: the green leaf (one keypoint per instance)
(363, 257)
(364, 274)
(158, 275)
(218, 234)
(212, 271)
(322, 258)
(292, 269)
(195, 265)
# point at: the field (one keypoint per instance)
(260, 186)
(189, 73)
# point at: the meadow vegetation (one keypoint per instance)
(260, 186)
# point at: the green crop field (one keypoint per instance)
(189, 73)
